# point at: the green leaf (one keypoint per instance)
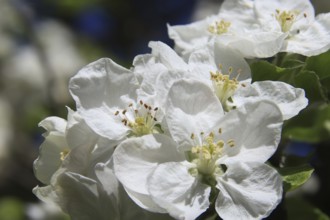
(319, 64)
(11, 209)
(312, 125)
(294, 177)
(263, 70)
(299, 209)
(310, 82)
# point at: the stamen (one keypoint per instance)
(141, 120)
(224, 86)
(219, 27)
(286, 18)
(205, 155)
(64, 153)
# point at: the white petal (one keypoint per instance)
(192, 36)
(255, 129)
(304, 43)
(136, 158)
(107, 179)
(238, 11)
(49, 159)
(248, 191)
(230, 59)
(46, 194)
(290, 100)
(77, 131)
(53, 124)
(256, 43)
(105, 123)
(266, 9)
(212, 56)
(102, 82)
(100, 89)
(167, 56)
(174, 189)
(192, 108)
(80, 197)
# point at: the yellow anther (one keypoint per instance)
(224, 86)
(64, 153)
(141, 120)
(231, 143)
(192, 136)
(286, 18)
(219, 27)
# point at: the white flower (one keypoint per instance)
(305, 34)
(106, 97)
(223, 69)
(235, 26)
(259, 29)
(213, 159)
(66, 164)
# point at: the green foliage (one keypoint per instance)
(293, 177)
(311, 125)
(298, 209)
(11, 209)
(311, 74)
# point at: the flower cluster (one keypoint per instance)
(182, 133)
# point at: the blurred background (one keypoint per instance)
(45, 42)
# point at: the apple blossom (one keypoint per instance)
(105, 89)
(258, 29)
(305, 34)
(235, 26)
(211, 159)
(220, 67)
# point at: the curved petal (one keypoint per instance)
(215, 56)
(136, 158)
(167, 56)
(192, 107)
(182, 195)
(248, 191)
(49, 159)
(192, 36)
(77, 131)
(304, 42)
(290, 100)
(102, 82)
(53, 125)
(257, 43)
(81, 199)
(100, 89)
(265, 9)
(255, 129)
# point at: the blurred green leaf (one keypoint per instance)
(294, 177)
(299, 209)
(263, 70)
(11, 209)
(310, 82)
(319, 64)
(312, 125)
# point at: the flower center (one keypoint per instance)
(141, 120)
(219, 27)
(64, 153)
(205, 156)
(286, 19)
(224, 87)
